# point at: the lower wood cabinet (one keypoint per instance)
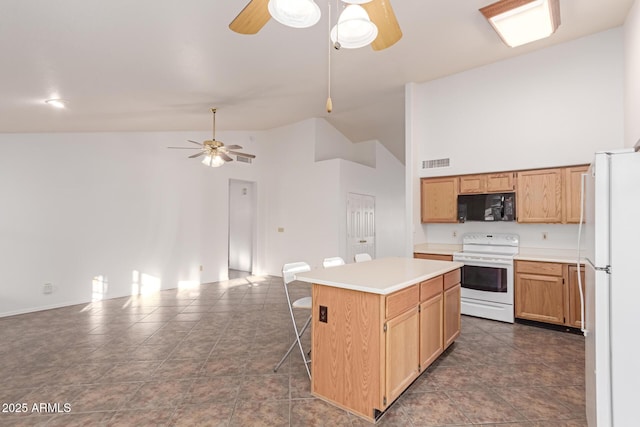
(547, 292)
(573, 307)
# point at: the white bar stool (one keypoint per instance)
(332, 262)
(362, 257)
(289, 272)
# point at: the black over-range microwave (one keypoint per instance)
(487, 207)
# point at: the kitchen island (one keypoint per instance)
(377, 325)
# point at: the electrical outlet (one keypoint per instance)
(323, 314)
(47, 288)
(280, 229)
(455, 233)
(545, 235)
(201, 268)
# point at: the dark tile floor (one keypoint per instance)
(205, 356)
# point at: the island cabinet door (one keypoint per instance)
(451, 314)
(431, 321)
(431, 330)
(452, 294)
(401, 353)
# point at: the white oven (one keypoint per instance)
(487, 275)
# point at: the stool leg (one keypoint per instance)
(293, 344)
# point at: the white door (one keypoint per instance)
(241, 224)
(361, 225)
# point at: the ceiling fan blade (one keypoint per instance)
(197, 155)
(381, 14)
(225, 157)
(251, 156)
(252, 18)
(233, 147)
(195, 142)
(186, 148)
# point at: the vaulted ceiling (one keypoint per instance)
(160, 65)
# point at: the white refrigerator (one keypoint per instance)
(611, 236)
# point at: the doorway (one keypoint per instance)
(242, 225)
(361, 225)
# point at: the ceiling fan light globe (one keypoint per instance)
(213, 161)
(295, 13)
(354, 28)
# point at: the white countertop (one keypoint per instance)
(566, 256)
(437, 248)
(379, 276)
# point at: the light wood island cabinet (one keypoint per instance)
(548, 292)
(374, 344)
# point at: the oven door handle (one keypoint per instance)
(484, 263)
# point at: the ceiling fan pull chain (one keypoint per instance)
(329, 102)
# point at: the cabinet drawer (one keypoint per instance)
(534, 267)
(437, 257)
(401, 301)
(451, 279)
(431, 287)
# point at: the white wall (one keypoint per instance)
(331, 144)
(308, 199)
(632, 76)
(552, 107)
(301, 199)
(77, 206)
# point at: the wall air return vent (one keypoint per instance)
(243, 159)
(435, 163)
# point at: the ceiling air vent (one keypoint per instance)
(243, 159)
(435, 163)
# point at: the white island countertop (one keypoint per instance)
(379, 276)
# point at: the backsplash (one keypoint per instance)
(558, 236)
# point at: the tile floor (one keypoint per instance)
(205, 357)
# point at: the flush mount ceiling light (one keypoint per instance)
(295, 13)
(518, 22)
(354, 28)
(58, 103)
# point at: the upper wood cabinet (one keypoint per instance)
(487, 183)
(539, 196)
(542, 195)
(572, 192)
(439, 199)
